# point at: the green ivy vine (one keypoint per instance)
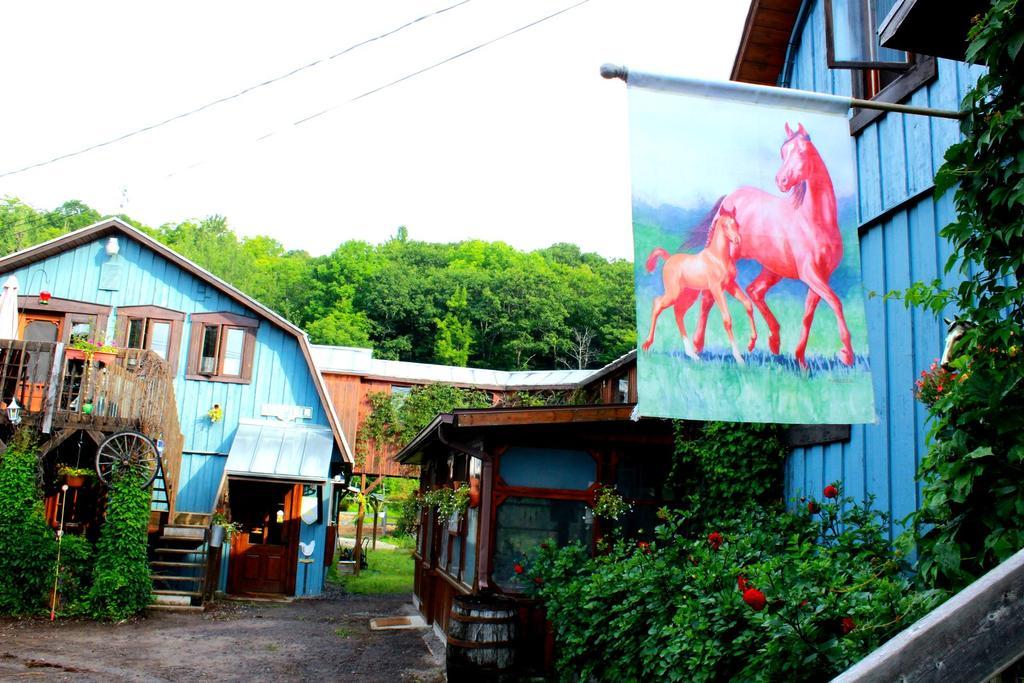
(27, 546)
(122, 586)
(972, 512)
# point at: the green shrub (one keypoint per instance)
(27, 545)
(75, 578)
(820, 590)
(121, 583)
(719, 464)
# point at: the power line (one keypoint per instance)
(228, 98)
(406, 77)
(442, 62)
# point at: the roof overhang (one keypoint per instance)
(478, 418)
(764, 43)
(115, 226)
(933, 27)
(280, 451)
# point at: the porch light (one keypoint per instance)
(44, 297)
(113, 248)
(14, 412)
(280, 515)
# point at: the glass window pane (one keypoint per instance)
(644, 478)
(136, 333)
(456, 558)
(81, 331)
(472, 522)
(855, 25)
(548, 468)
(208, 353)
(233, 343)
(622, 391)
(524, 523)
(159, 337)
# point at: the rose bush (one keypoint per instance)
(775, 596)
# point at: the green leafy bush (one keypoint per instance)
(972, 512)
(27, 545)
(764, 595)
(121, 584)
(718, 464)
(75, 578)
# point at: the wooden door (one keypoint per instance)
(264, 553)
(41, 327)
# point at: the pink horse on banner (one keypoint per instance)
(712, 271)
(791, 237)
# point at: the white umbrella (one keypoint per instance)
(9, 309)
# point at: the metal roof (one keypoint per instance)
(356, 361)
(280, 450)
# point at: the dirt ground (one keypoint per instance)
(326, 639)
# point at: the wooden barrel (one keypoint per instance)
(481, 638)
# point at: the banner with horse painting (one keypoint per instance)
(748, 293)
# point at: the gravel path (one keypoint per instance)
(325, 639)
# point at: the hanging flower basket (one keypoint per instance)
(75, 477)
(74, 354)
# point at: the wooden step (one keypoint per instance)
(195, 594)
(193, 579)
(175, 608)
(180, 551)
(192, 519)
(183, 532)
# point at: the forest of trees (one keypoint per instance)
(475, 303)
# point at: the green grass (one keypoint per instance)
(406, 542)
(390, 571)
(343, 632)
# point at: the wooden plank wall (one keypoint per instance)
(349, 393)
(897, 157)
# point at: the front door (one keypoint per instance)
(265, 551)
(38, 327)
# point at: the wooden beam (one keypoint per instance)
(56, 440)
(376, 482)
(357, 551)
(973, 636)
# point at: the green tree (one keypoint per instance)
(454, 335)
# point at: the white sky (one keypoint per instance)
(521, 141)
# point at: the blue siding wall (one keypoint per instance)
(897, 157)
(280, 372)
(200, 479)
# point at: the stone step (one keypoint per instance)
(176, 608)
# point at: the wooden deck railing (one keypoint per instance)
(975, 636)
(57, 389)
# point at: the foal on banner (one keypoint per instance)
(712, 271)
(791, 237)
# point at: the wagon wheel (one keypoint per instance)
(127, 448)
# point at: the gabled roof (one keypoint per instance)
(115, 226)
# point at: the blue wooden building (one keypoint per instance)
(832, 46)
(259, 439)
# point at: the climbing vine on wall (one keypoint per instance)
(27, 546)
(121, 582)
(972, 513)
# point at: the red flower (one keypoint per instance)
(544, 546)
(742, 583)
(846, 624)
(517, 568)
(813, 508)
(715, 540)
(804, 603)
(537, 580)
(831, 491)
(755, 599)
(644, 546)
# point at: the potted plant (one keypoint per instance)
(81, 348)
(222, 529)
(74, 477)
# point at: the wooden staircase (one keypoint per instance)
(178, 563)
